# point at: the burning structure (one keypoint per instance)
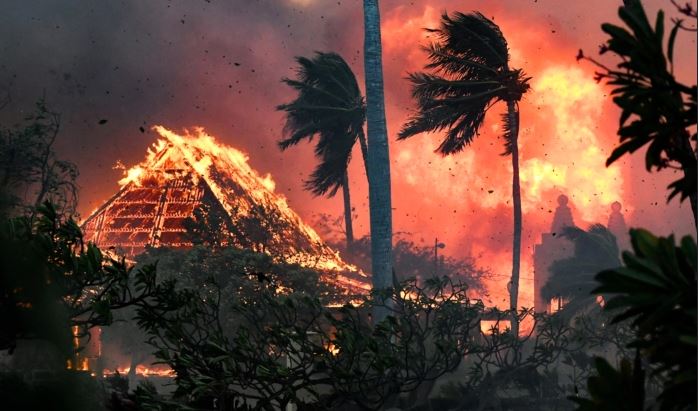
(190, 188)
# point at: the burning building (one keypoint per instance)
(191, 179)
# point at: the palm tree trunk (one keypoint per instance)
(348, 227)
(513, 113)
(378, 156)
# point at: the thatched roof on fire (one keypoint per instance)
(185, 173)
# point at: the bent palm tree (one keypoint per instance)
(572, 278)
(470, 63)
(329, 105)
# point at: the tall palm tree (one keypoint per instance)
(329, 105)
(378, 155)
(573, 278)
(470, 73)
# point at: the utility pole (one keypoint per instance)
(437, 245)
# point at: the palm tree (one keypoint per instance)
(329, 105)
(378, 156)
(470, 73)
(572, 278)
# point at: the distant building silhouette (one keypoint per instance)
(616, 225)
(552, 247)
(563, 215)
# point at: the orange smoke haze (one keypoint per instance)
(218, 65)
(465, 199)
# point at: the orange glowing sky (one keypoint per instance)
(219, 65)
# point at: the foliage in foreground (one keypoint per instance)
(52, 281)
(656, 292)
(658, 111)
(240, 274)
(281, 349)
(65, 391)
(30, 172)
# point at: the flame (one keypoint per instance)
(268, 182)
(574, 159)
(133, 175)
(489, 327)
(79, 361)
(144, 371)
(199, 151)
(332, 349)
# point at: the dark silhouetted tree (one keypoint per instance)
(52, 281)
(655, 290)
(30, 172)
(330, 106)
(658, 111)
(470, 73)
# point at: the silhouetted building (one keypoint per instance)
(616, 225)
(552, 247)
(555, 247)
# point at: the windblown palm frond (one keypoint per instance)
(475, 38)
(471, 74)
(469, 63)
(329, 105)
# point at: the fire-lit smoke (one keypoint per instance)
(567, 131)
(575, 153)
(561, 151)
(236, 52)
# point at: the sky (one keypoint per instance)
(219, 64)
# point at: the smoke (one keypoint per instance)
(218, 64)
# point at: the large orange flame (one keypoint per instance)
(199, 151)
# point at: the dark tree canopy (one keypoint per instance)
(470, 73)
(329, 106)
(657, 111)
(30, 172)
(52, 281)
